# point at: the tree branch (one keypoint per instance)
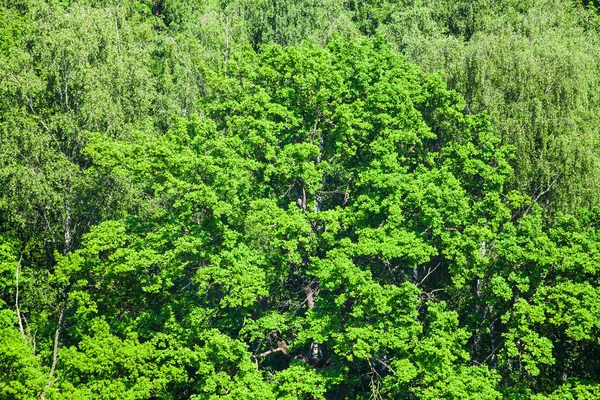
(385, 365)
(541, 194)
(266, 353)
(429, 272)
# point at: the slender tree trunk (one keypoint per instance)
(310, 296)
(68, 234)
(492, 340)
(54, 354)
(310, 290)
(479, 310)
(17, 299)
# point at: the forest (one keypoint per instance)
(300, 199)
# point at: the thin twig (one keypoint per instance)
(491, 354)
(541, 194)
(385, 365)
(429, 272)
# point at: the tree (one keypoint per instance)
(309, 202)
(537, 82)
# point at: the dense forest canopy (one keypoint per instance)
(308, 199)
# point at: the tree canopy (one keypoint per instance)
(299, 199)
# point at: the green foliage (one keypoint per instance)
(267, 199)
(20, 374)
(252, 224)
(531, 65)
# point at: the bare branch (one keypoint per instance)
(541, 194)
(385, 365)
(491, 354)
(266, 353)
(429, 272)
